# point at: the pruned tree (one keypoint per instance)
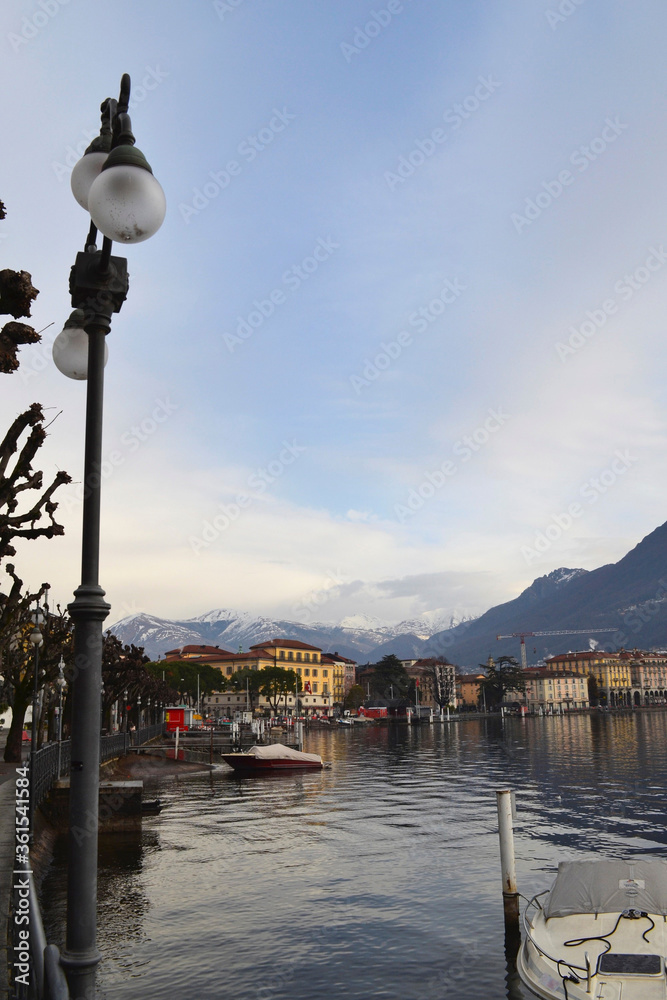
(16, 296)
(18, 662)
(22, 514)
(17, 476)
(443, 680)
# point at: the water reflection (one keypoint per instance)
(379, 877)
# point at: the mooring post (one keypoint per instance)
(176, 747)
(507, 863)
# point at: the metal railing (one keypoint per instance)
(53, 760)
(46, 978)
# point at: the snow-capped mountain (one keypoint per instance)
(356, 636)
(629, 596)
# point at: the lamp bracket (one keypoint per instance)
(98, 291)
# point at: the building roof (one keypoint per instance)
(588, 655)
(195, 650)
(287, 643)
(341, 659)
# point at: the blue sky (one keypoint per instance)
(399, 344)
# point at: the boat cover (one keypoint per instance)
(278, 751)
(608, 887)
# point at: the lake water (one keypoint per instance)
(378, 877)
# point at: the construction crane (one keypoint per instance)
(566, 631)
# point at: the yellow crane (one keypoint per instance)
(566, 631)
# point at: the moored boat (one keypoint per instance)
(599, 932)
(276, 757)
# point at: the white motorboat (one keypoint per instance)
(599, 933)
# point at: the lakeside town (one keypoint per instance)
(330, 684)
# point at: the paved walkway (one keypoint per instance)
(7, 779)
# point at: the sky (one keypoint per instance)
(399, 345)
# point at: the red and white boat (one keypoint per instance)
(275, 757)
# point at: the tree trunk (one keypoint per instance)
(15, 734)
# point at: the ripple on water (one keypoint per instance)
(376, 878)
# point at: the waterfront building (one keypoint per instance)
(554, 690)
(610, 673)
(429, 674)
(316, 695)
(468, 693)
(648, 676)
(343, 673)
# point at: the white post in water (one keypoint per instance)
(507, 863)
(176, 748)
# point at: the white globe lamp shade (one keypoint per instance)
(83, 175)
(70, 348)
(126, 203)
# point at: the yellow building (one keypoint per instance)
(468, 689)
(611, 672)
(550, 690)
(317, 677)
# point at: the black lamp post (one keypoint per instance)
(114, 182)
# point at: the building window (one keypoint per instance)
(314, 687)
(281, 654)
(306, 671)
(314, 673)
(325, 673)
(299, 671)
(306, 657)
(228, 671)
(298, 656)
(290, 655)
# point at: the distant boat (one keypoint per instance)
(599, 932)
(275, 757)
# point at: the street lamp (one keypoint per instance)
(37, 639)
(115, 184)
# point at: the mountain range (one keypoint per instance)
(629, 596)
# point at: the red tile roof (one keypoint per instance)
(195, 649)
(287, 643)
